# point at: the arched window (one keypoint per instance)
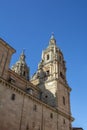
(47, 72)
(27, 127)
(51, 115)
(24, 73)
(48, 57)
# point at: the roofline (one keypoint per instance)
(77, 128)
(7, 45)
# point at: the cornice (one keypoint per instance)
(7, 45)
(23, 79)
(22, 92)
(65, 84)
(68, 116)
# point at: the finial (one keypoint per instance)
(52, 36)
(22, 56)
(23, 51)
(52, 40)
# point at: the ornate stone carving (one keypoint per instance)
(21, 67)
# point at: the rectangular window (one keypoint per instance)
(33, 124)
(61, 74)
(35, 107)
(63, 100)
(13, 97)
(64, 121)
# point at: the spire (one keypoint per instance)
(23, 52)
(52, 40)
(22, 56)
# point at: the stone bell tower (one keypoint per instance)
(51, 79)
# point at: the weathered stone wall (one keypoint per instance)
(5, 56)
(63, 98)
(10, 110)
(24, 111)
(63, 123)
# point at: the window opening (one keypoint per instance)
(13, 96)
(46, 96)
(27, 128)
(24, 73)
(33, 124)
(35, 107)
(29, 90)
(48, 57)
(63, 100)
(61, 74)
(63, 121)
(47, 72)
(51, 115)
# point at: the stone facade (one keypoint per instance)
(40, 103)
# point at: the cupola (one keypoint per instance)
(52, 40)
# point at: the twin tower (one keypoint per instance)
(39, 103)
(50, 77)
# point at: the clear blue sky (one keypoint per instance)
(29, 23)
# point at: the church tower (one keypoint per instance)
(21, 67)
(51, 79)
